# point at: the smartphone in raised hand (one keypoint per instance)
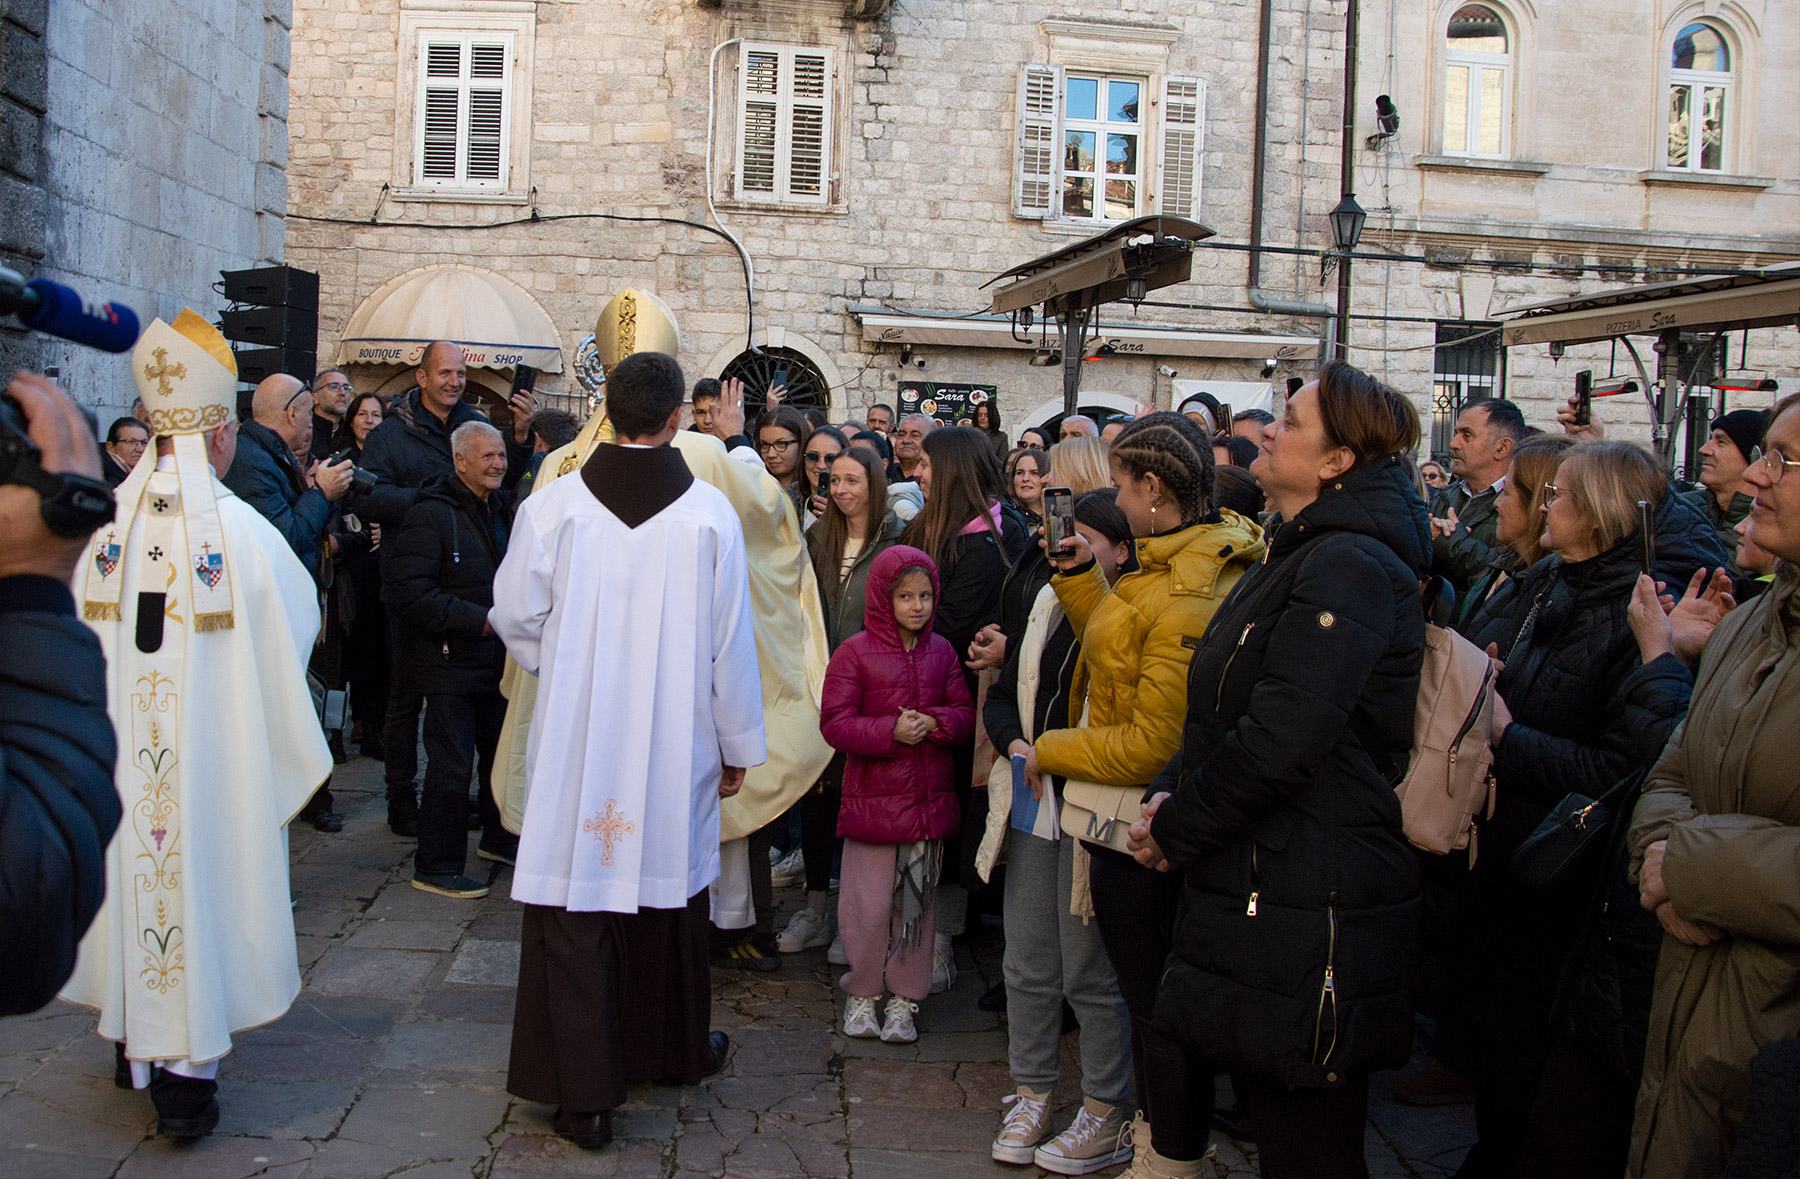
(1647, 538)
(1059, 520)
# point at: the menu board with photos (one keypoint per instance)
(950, 402)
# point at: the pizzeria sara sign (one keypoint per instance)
(950, 403)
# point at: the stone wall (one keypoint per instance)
(164, 137)
(925, 170)
(921, 215)
(22, 69)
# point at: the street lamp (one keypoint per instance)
(1346, 230)
(1347, 221)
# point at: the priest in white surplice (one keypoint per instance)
(626, 591)
(206, 618)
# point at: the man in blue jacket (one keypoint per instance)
(267, 474)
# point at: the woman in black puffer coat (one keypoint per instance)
(1296, 945)
(1585, 713)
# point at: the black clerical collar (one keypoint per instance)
(635, 483)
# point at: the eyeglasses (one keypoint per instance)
(817, 459)
(1776, 462)
(1551, 491)
(340, 386)
(780, 447)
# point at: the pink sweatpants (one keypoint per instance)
(868, 922)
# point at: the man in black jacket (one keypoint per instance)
(405, 452)
(58, 805)
(1463, 515)
(438, 589)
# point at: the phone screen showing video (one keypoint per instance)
(1059, 520)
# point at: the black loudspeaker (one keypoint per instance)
(276, 311)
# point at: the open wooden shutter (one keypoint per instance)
(487, 112)
(759, 121)
(441, 110)
(809, 123)
(1183, 133)
(1034, 169)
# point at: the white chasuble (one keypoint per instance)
(219, 746)
(642, 642)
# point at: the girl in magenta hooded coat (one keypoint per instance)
(895, 702)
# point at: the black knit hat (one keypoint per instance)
(1745, 428)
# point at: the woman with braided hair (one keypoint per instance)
(1136, 635)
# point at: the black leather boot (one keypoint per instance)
(403, 811)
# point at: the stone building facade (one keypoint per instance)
(880, 164)
(143, 152)
(1543, 134)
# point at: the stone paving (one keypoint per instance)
(392, 1063)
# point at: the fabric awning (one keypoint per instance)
(497, 322)
(885, 325)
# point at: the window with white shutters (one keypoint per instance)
(1086, 150)
(1183, 132)
(784, 125)
(464, 111)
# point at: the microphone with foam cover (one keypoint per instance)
(61, 311)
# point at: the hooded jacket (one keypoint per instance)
(1137, 637)
(895, 793)
(440, 585)
(1296, 944)
(1723, 795)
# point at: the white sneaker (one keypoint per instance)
(943, 969)
(806, 930)
(835, 955)
(789, 872)
(899, 1027)
(1098, 1138)
(1025, 1125)
(859, 1018)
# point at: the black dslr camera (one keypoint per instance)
(73, 505)
(361, 481)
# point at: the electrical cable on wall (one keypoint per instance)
(537, 218)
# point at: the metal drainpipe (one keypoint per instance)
(1265, 34)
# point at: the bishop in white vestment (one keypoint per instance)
(626, 592)
(206, 618)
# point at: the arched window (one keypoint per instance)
(1477, 84)
(805, 384)
(1699, 99)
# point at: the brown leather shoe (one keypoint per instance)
(1435, 1084)
(589, 1131)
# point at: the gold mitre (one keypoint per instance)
(635, 321)
(186, 374)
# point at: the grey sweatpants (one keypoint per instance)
(1052, 955)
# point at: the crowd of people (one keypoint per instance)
(1161, 749)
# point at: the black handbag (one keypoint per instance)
(1563, 855)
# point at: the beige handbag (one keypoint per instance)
(1099, 814)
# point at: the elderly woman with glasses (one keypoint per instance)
(1583, 706)
(1715, 840)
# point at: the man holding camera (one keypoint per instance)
(266, 474)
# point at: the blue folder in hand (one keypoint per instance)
(1030, 814)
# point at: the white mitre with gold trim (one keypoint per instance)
(187, 376)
